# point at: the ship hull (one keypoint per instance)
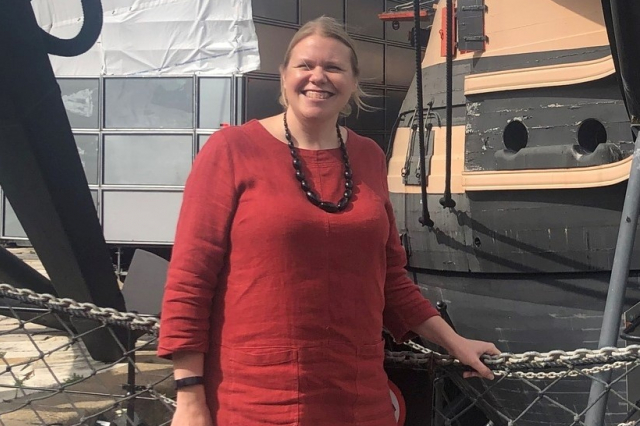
(534, 312)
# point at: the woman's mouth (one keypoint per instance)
(317, 94)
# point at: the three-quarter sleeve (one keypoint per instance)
(201, 241)
(405, 307)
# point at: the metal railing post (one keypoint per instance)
(617, 285)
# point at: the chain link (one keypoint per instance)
(506, 363)
(511, 364)
(172, 403)
(149, 324)
(525, 366)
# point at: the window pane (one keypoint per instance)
(82, 101)
(372, 120)
(88, 150)
(94, 195)
(311, 9)
(215, 102)
(12, 227)
(282, 10)
(370, 59)
(202, 139)
(402, 33)
(362, 17)
(147, 159)
(273, 43)
(239, 83)
(400, 66)
(149, 103)
(140, 216)
(262, 98)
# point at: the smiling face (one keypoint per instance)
(318, 80)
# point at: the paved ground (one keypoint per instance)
(20, 348)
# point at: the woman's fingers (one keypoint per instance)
(492, 350)
(481, 370)
(477, 349)
(470, 374)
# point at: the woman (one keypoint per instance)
(287, 263)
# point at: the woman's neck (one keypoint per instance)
(313, 135)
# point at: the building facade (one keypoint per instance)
(138, 135)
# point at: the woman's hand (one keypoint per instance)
(192, 409)
(468, 352)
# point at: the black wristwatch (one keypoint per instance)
(189, 381)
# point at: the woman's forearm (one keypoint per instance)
(468, 352)
(189, 364)
(436, 330)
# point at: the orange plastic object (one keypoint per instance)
(402, 16)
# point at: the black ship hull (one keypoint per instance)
(535, 312)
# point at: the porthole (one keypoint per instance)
(591, 133)
(515, 135)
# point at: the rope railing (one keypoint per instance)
(48, 377)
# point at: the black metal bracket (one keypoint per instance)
(441, 306)
(474, 8)
(626, 333)
(475, 38)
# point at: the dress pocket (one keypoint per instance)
(374, 400)
(264, 386)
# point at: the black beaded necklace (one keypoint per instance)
(312, 196)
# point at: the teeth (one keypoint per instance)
(317, 95)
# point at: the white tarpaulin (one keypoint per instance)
(154, 37)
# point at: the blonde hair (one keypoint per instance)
(325, 26)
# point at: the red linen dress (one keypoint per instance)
(288, 301)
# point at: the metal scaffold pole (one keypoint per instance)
(617, 286)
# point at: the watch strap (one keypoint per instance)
(189, 381)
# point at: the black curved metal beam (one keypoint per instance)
(87, 37)
(622, 18)
(16, 272)
(42, 176)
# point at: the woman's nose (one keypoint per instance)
(317, 74)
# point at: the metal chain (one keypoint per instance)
(149, 324)
(505, 363)
(508, 363)
(171, 402)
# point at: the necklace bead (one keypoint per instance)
(313, 198)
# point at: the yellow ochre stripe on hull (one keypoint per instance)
(463, 181)
(546, 76)
(539, 26)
